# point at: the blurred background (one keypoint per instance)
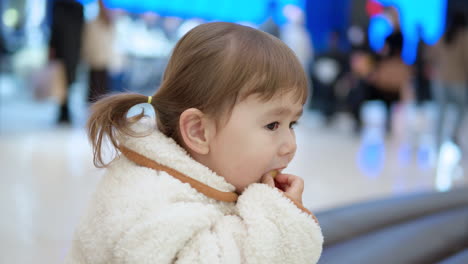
(388, 85)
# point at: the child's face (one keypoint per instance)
(257, 139)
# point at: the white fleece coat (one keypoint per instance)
(140, 215)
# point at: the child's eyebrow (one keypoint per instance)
(283, 111)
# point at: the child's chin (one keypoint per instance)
(239, 191)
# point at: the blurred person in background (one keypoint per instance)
(99, 52)
(329, 69)
(65, 43)
(296, 36)
(361, 64)
(392, 76)
(449, 59)
(390, 79)
(383, 77)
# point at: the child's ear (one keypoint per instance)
(195, 129)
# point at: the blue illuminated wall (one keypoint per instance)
(254, 11)
(420, 20)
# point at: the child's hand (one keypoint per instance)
(291, 185)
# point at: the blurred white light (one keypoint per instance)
(356, 35)
(37, 9)
(374, 114)
(187, 26)
(449, 158)
(8, 86)
(91, 10)
(10, 17)
(326, 70)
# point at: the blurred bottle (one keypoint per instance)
(448, 166)
(371, 155)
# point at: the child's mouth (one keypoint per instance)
(273, 173)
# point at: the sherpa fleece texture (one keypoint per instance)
(139, 215)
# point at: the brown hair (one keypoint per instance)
(214, 66)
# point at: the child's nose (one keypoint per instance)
(288, 146)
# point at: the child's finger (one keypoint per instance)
(287, 179)
(282, 178)
(284, 181)
(268, 180)
(280, 186)
(291, 185)
(296, 184)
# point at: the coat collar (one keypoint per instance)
(165, 154)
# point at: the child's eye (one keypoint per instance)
(292, 125)
(272, 126)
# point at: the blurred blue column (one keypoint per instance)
(325, 16)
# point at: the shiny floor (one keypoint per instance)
(47, 176)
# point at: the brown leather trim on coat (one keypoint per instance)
(200, 187)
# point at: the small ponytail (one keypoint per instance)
(109, 119)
